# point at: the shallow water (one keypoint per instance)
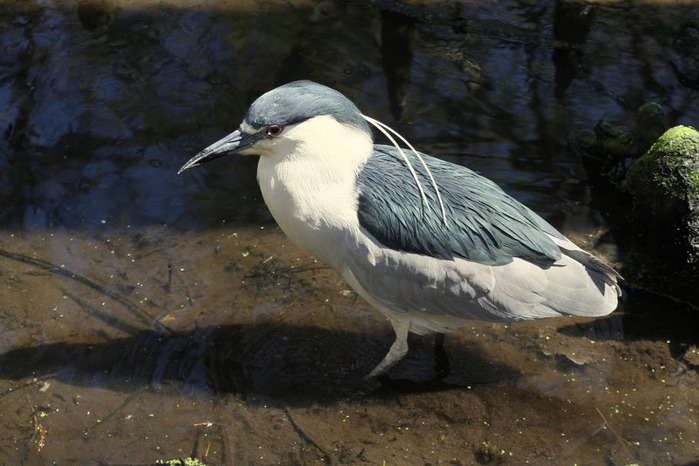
(148, 316)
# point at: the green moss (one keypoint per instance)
(679, 140)
(650, 124)
(612, 140)
(584, 138)
(182, 462)
(670, 168)
(489, 453)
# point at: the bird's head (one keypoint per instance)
(301, 112)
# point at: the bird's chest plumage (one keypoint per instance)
(315, 208)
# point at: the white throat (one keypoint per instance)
(308, 181)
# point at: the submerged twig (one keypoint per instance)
(624, 443)
(116, 410)
(226, 450)
(307, 438)
(39, 430)
(52, 268)
(26, 383)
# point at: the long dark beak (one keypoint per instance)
(234, 142)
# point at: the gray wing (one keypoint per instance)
(495, 259)
(485, 225)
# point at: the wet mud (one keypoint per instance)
(146, 316)
(233, 347)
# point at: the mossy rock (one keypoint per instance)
(609, 149)
(670, 168)
(664, 185)
(651, 123)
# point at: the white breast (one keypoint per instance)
(308, 184)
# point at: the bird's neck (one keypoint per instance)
(311, 189)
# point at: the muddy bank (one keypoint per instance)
(232, 347)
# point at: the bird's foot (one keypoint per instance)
(442, 367)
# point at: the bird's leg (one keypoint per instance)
(441, 359)
(397, 350)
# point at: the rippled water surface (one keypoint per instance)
(148, 316)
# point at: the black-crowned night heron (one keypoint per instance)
(428, 243)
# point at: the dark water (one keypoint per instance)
(149, 316)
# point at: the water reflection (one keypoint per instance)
(109, 109)
(147, 340)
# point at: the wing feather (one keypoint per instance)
(484, 225)
(494, 260)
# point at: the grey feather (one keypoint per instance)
(494, 260)
(298, 101)
(485, 225)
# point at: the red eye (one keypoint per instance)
(275, 130)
